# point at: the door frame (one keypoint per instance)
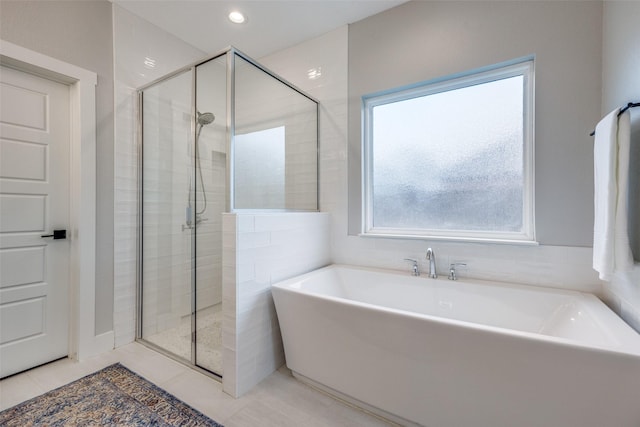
(83, 342)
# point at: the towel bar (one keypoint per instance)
(622, 110)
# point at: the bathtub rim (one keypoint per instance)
(623, 349)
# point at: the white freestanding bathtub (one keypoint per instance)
(440, 353)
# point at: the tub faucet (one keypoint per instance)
(414, 268)
(452, 270)
(431, 256)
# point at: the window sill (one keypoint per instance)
(455, 239)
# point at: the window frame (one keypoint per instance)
(521, 67)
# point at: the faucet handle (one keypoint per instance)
(414, 267)
(452, 269)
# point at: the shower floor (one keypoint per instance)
(208, 339)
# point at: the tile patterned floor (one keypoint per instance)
(209, 339)
(280, 400)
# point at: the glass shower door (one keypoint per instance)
(210, 201)
(168, 234)
(190, 121)
(184, 193)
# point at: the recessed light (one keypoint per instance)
(236, 17)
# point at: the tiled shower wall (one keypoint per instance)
(168, 175)
(167, 249)
(135, 40)
(258, 250)
(285, 177)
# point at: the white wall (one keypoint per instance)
(620, 85)
(79, 33)
(556, 266)
(424, 40)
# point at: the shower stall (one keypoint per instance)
(221, 135)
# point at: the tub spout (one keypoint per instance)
(431, 256)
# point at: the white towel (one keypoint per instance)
(611, 250)
(623, 254)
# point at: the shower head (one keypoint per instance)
(205, 118)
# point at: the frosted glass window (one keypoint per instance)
(260, 169)
(452, 159)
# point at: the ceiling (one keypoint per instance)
(270, 25)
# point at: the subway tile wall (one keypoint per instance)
(622, 294)
(135, 41)
(258, 250)
(283, 174)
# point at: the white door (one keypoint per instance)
(34, 201)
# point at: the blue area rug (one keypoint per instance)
(113, 396)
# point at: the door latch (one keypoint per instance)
(57, 234)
